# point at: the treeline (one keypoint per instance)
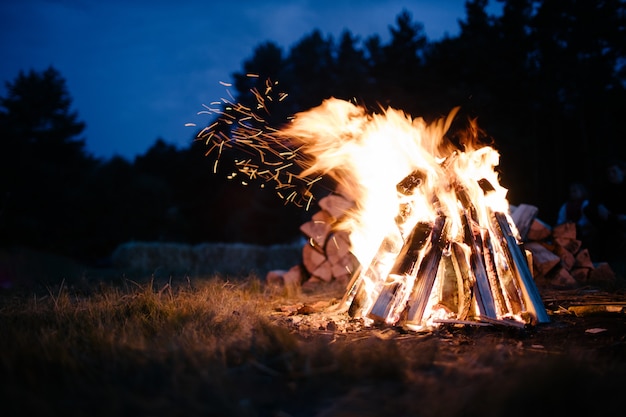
(545, 80)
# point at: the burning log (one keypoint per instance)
(517, 262)
(490, 267)
(387, 254)
(404, 267)
(465, 280)
(426, 274)
(492, 271)
(473, 240)
(357, 294)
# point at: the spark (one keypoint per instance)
(272, 158)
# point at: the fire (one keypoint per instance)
(430, 224)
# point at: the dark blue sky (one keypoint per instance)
(140, 70)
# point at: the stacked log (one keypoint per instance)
(326, 256)
(559, 258)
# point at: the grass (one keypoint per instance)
(137, 348)
(209, 347)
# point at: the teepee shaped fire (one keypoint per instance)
(429, 224)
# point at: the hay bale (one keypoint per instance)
(230, 259)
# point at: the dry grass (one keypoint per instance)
(210, 347)
(138, 349)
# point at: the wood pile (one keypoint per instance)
(326, 254)
(559, 258)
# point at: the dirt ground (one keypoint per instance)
(576, 363)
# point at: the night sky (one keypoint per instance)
(140, 70)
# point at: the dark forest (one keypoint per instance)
(546, 81)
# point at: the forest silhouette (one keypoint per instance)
(545, 81)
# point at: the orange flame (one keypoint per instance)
(406, 178)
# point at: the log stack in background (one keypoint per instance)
(559, 258)
(326, 256)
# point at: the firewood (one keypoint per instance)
(337, 246)
(495, 281)
(561, 278)
(311, 258)
(323, 271)
(465, 280)
(571, 245)
(583, 259)
(473, 239)
(518, 264)
(336, 205)
(567, 258)
(405, 265)
(345, 266)
(539, 230)
(523, 216)
(275, 277)
(449, 289)
(317, 231)
(581, 274)
(566, 230)
(375, 273)
(343, 271)
(426, 273)
(543, 259)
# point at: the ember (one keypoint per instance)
(429, 224)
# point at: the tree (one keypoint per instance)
(400, 72)
(42, 164)
(352, 72)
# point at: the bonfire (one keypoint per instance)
(429, 224)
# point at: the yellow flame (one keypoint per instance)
(369, 154)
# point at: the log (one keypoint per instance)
(337, 247)
(317, 229)
(561, 278)
(473, 239)
(567, 258)
(375, 274)
(493, 275)
(571, 245)
(565, 230)
(465, 279)
(426, 273)
(517, 260)
(602, 274)
(324, 271)
(336, 205)
(523, 216)
(581, 275)
(312, 258)
(543, 259)
(539, 230)
(583, 259)
(404, 267)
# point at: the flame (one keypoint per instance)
(414, 191)
(368, 155)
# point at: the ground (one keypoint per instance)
(576, 363)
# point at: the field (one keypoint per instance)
(216, 346)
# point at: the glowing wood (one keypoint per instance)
(404, 267)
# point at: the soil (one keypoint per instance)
(576, 363)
